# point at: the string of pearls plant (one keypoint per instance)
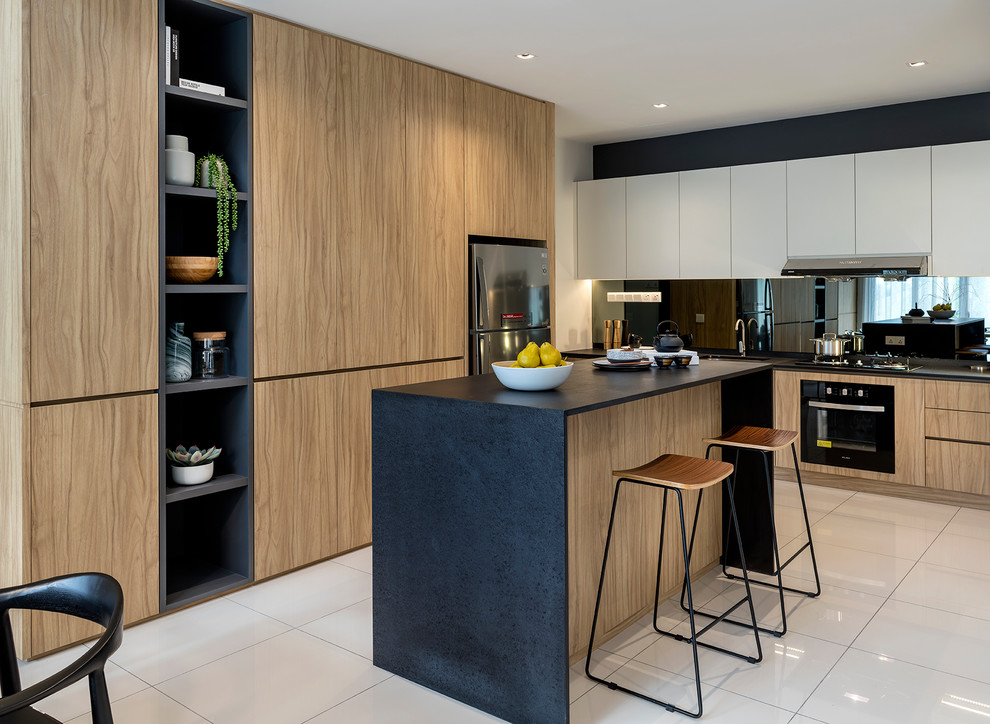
(218, 177)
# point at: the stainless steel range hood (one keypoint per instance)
(888, 267)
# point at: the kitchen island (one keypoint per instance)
(490, 511)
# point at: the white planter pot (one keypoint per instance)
(180, 167)
(193, 475)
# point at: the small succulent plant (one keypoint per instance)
(193, 456)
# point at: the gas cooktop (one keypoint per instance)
(894, 364)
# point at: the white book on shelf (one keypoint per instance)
(217, 90)
(168, 55)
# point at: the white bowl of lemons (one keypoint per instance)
(535, 368)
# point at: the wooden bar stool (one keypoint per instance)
(766, 440)
(677, 473)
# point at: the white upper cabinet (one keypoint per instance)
(759, 220)
(894, 201)
(706, 228)
(601, 229)
(653, 227)
(961, 209)
(821, 206)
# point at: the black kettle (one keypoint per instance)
(670, 341)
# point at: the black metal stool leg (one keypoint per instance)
(776, 550)
(601, 583)
(807, 527)
(663, 526)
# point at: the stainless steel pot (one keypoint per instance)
(855, 340)
(830, 345)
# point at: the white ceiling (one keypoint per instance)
(716, 63)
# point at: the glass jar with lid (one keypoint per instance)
(210, 354)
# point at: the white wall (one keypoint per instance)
(573, 303)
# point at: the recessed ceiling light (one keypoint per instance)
(525, 56)
(659, 105)
(917, 63)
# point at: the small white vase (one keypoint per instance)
(192, 475)
(180, 167)
(204, 174)
(177, 143)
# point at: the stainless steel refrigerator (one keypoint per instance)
(510, 302)
(754, 306)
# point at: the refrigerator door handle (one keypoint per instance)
(480, 356)
(481, 290)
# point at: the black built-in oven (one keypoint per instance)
(848, 425)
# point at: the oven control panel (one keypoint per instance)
(836, 391)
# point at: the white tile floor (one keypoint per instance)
(900, 634)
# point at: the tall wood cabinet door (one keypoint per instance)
(295, 504)
(94, 198)
(368, 202)
(94, 504)
(960, 209)
(759, 220)
(653, 226)
(431, 260)
(295, 292)
(894, 201)
(821, 206)
(706, 225)
(505, 152)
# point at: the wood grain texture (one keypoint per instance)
(756, 438)
(551, 192)
(716, 299)
(295, 270)
(877, 487)
(958, 466)
(295, 504)
(505, 157)
(94, 504)
(14, 503)
(426, 301)
(368, 199)
(679, 471)
(956, 425)
(313, 462)
(944, 395)
(909, 422)
(14, 200)
(620, 437)
(94, 194)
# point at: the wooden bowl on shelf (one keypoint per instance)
(191, 269)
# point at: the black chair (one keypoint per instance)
(95, 597)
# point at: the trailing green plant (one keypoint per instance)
(193, 456)
(219, 179)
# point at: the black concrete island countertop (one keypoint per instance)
(470, 489)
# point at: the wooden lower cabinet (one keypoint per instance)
(313, 462)
(909, 425)
(960, 466)
(94, 505)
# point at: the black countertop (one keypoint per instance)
(587, 388)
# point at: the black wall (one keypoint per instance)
(924, 123)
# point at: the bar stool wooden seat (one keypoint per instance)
(677, 473)
(767, 440)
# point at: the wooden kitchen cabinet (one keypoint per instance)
(957, 428)
(93, 197)
(601, 229)
(507, 146)
(821, 206)
(759, 220)
(295, 273)
(706, 226)
(909, 422)
(313, 468)
(94, 504)
(653, 226)
(960, 210)
(894, 201)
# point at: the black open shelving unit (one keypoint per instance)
(207, 531)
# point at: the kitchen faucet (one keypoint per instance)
(741, 343)
(751, 336)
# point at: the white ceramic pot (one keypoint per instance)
(204, 174)
(177, 143)
(180, 167)
(193, 475)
